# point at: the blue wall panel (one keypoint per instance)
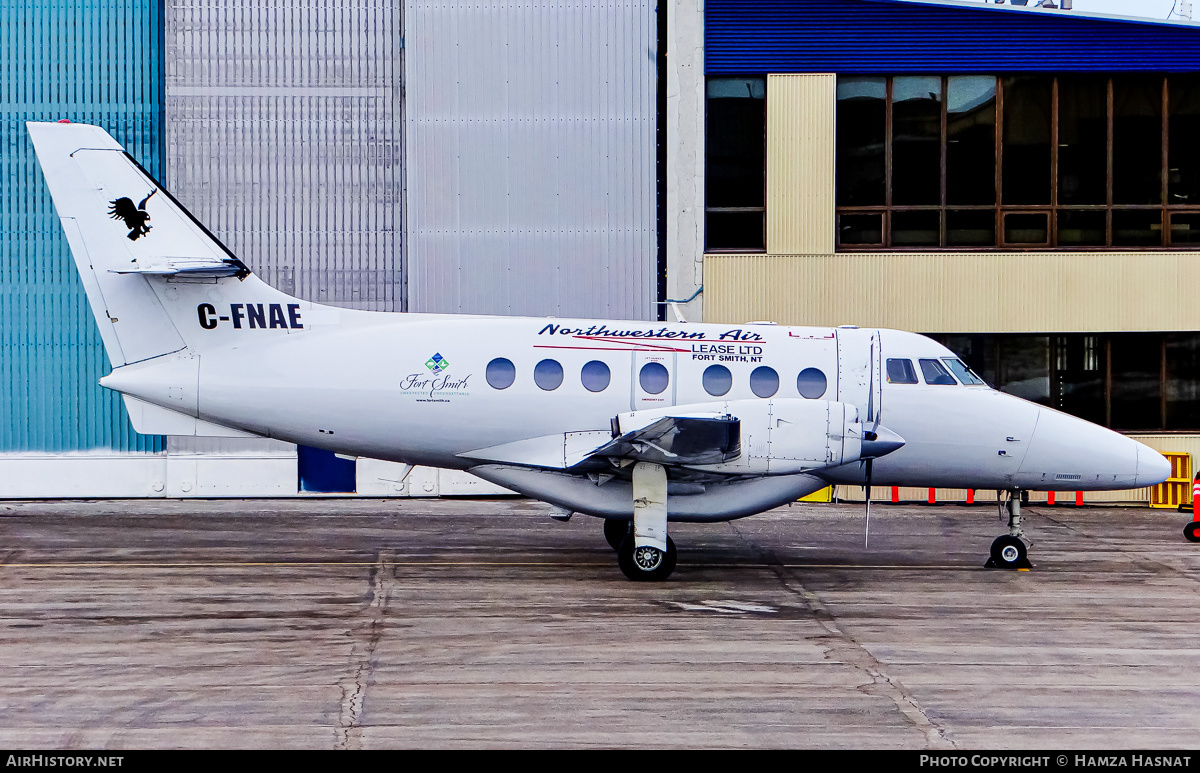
(885, 36)
(97, 61)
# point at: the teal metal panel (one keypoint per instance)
(95, 61)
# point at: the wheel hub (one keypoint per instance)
(1009, 553)
(647, 558)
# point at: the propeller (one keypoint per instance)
(870, 436)
(867, 527)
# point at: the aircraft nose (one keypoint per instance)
(1152, 467)
(1067, 453)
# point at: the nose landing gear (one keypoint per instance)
(1008, 550)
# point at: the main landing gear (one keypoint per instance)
(644, 551)
(638, 563)
(1008, 550)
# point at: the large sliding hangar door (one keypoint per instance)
(529, 130)
(531, 157)
(491, 157)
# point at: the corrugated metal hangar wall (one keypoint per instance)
(284, 137)
(97, 62)
(530, 177)
(530, 184)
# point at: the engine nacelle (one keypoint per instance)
(778, 437)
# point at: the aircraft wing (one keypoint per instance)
(670, 440)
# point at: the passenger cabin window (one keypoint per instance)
(935, 374)
(764, 381)
(965, 374)
(500, 373)
(811, 383)
(717, 380)
(548, 375)
(901, 372)
(654, 378)
(595, 376)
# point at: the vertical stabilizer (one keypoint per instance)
(149, 268)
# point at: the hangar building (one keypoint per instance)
(1023, 184)
(425, 155)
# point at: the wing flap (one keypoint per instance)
(675, 440)
(670, 440)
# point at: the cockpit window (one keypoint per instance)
(965, 374)
(935, 374)
(901, 372)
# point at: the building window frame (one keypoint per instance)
(1171, 227)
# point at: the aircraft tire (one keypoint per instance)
(1008, 552)
(641, 567)
(1192, 531)
(615, 531)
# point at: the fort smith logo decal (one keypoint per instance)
(136, 218)
(437, 363)
(434, 386)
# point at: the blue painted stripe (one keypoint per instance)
(886, 36)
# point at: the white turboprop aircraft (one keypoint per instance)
(639, 423)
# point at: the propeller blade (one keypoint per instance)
(867, 529)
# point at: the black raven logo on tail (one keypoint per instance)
(135, 218)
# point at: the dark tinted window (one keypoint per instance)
(811, 383)
(1081, 161)
(1082, 140)
(1137, 140)
(861, 137)
(1136, 382)
(735, 163)
(548, 374)
(500, 373)
(916, 139)
(1026, 150)
(963, 373)
(936, 374)
(717, 380)
(595, 376)
(654, 378)
(901, 372)
(970, 139)
(764, 381)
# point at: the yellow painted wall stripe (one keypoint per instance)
(960, 292)
(800, 160)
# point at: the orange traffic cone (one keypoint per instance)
(1192, 530)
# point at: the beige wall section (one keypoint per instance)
(685, 155)
(800, 148)
(948, 292)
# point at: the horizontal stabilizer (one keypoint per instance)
(197, 267)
